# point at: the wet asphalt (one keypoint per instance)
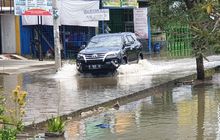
(51, 93)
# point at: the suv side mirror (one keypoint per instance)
(127, 44)
(83, 47)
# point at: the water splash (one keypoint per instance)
(143, 67)
(132, 74)
(146, 67)
(67, 71)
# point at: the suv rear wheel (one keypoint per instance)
(140, 57)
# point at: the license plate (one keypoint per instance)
(94, 66)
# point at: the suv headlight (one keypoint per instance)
(80, 56)
(112, 55)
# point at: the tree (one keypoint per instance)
(202, 17)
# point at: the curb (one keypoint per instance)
(42, 66)
(4, 73)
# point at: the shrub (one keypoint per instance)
(55, 124)
(11, 119)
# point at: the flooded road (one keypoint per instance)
(189, 112)
(51, 93)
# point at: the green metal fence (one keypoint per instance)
(178, 38)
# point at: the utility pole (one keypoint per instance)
(56, 35)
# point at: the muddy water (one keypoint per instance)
(185, 112)
(51, 93)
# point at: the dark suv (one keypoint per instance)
(109, 51)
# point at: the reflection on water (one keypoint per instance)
(183, 112)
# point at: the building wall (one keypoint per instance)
(26, 38)
(8, 34)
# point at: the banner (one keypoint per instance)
(111, 3)
(129, 3)
(97, 14)
(72, 12)
(33, 7)
(141, 23)
(30, 20)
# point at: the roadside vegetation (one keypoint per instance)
(11, 118)
(55, 126)
(202, 17)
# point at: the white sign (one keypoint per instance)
(33, 7)
(97, 14)
(141, 23)
(71, 13)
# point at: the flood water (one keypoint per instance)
(185, 112)
(51, 93)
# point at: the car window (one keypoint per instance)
(126, 40)
(134, 36)
(130, 38)
(105, 41)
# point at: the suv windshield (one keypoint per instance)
(105, 41)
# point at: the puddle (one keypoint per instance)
(51, 93)
(182, 112)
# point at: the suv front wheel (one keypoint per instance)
(124, 60)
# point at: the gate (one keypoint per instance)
(74, 37)
(71, 38)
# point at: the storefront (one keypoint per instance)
(74, 30)
(122, 17)
(71, 39)
(121, 20)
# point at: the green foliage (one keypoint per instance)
(2, 109)
(8, 133)
(217, 49)
(20, 126)
(204, 29)
(166, 12)
(55, 124)
(202, 17)
(209, 73)
(12, 124)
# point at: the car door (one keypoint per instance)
(138, 45)
(132, 48)
(127, 48)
